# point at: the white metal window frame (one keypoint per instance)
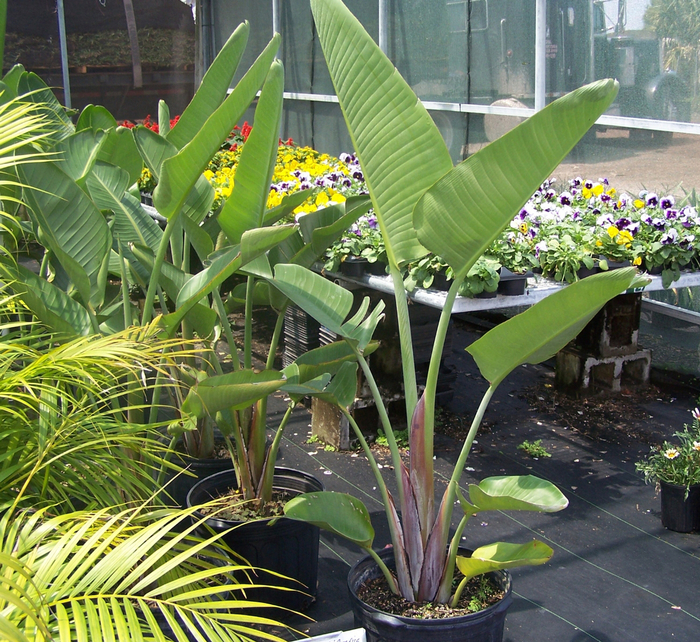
(470, 108)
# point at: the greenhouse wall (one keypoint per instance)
(481, 66)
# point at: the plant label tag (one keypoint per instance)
(355, 635)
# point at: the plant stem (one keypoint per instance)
(467, 446)
(155, 273)
(221, 310)
(386, 500)
(434, 371)
(384, 417)
(391, 580)
(279, 325)
(406, 342)
(248, 334)
(268, 472)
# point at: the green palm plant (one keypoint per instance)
(91, 226)
(423, 204)
(122, 569)
(65, 415)
(129, 575)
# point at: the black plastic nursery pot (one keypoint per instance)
(286, 546)
(180, 485)
(679, 513)
(511, 283)
(484, 626)
(354, 266)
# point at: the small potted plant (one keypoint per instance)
(675, 467)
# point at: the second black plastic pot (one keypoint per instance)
(286, 546)
(484, 626)
(679, 513)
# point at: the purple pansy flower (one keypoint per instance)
(667, 202)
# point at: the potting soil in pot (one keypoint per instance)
(243, 511)
(479, 593)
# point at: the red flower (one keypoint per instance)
(245, 130)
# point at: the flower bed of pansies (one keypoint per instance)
(564, 231)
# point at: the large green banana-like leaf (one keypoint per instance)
(51, 305)
(222, 265)
(258, 240)
(502, 555)
(545, 328)
(172, 279)
(95, 117)
(288, 204)
(320, 229)
(154, 149)
(71, 224)
(199, 200)
(340, 391)
(328, 358)
(77, 154)
(212, 89)
(120, 149)
(525, 492)
(33, 89)
(328, 303)
(11, 81)
(180, 172)
(235, 390)
(459, 216)
(245, 208)
(337, 513)
(107, 185)
(399, 146)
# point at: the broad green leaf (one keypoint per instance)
(461, 214)
(524, 492)
(311, 364)
(541, 331)
(400, 148)
(33, 89)
(235, 391)
(107, 185)
(213, 88)
(11, 80)
(342, 389)
(95, 117)
(288, 204)
(164, 118)
(312, 387)
(199, 201)
(120, 149)
(245, 208)
(337, 513)
(52, 306)
(502, 555)
(200, 240)
(328, 303)
(201, 316)
(180, 172)
(154, 149)
(259, 240)
(73, 227)
(77, 153)
(320, 229)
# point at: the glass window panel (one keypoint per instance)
(228, 15)
(101, 69)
